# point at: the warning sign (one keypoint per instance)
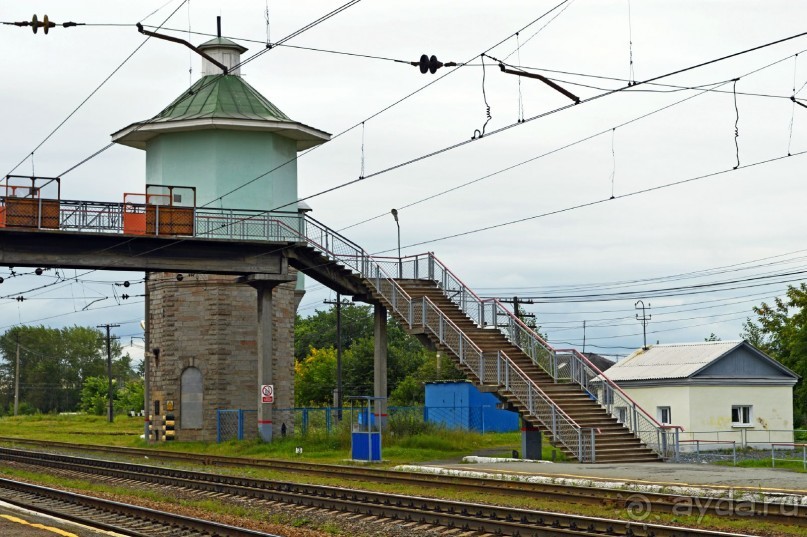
(268, 393)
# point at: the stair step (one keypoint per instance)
(613, 441)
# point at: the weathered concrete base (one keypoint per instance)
(530, 442)
(380, 363)
(209, 322)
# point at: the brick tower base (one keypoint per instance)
(202, 352)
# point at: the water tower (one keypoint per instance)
(217, 136)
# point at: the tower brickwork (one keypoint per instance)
(207, 322)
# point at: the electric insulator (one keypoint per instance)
(180, 277)
(430, 64)
(38, 271)
(126, 283)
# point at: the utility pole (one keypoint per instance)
(644, 319)
(338, 304)
(584, 337)
(111, 412)
(17, 379)
(515, 301)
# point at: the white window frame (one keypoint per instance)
(621, 413)
(740, 410)
(660, 414)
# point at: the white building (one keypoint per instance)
(718, 392)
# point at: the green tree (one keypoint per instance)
(95, 396)
(319, 330)
(315, 378)
(129, 397)
(412, 390)
(712, 337)
(780, 330)
(54, 364)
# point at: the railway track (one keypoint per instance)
(111, 516)
(645, 501)
(475, 518)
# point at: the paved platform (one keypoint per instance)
(16, 522)
(696, 475)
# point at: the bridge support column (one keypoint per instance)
(380, 363)
(265, 284)
(530, 441)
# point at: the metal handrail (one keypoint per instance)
(486, 311)
(564, 428)
(295, 227)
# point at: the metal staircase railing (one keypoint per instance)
(421, 313)
(562, 365)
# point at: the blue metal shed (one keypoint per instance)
(460, 405)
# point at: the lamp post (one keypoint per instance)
(397, 223)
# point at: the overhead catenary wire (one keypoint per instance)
(376, 114)
(529, 160)
(600, 201)
(93, 92)
(388, 107)
(214, 79)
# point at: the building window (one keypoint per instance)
(664, 415)
(621, 413)
(741, 415)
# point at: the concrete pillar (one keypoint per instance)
(530, 442)
(264, 284)
(380, 363)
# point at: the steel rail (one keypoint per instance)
(113, 516)
(484, 518)
(663, 502)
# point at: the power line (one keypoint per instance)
(529, 160)
(93, 92)
(217, 77)
(372, 116)
(334, 137)
(600, 201)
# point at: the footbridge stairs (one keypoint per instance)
(558, 391)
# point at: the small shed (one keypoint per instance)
(460, 405)
(718, 391)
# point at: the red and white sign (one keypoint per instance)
(267, 393)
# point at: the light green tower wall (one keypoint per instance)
(218, 161)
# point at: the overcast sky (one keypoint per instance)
(753, 213)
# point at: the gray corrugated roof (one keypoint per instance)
(670, 361)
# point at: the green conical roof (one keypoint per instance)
(221, 97)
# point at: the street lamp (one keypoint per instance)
(400, 264)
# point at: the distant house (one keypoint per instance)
(601, 362)
(460, 405)
(718, 391)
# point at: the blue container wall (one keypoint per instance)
(461, 405)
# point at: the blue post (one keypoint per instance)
(240, 424)
(305, 421)
(218, 426)
(328, 420)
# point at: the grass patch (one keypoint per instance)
(795, 466)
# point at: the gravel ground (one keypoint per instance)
(707, 457)
(274, 517)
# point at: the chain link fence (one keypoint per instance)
(405, 420)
